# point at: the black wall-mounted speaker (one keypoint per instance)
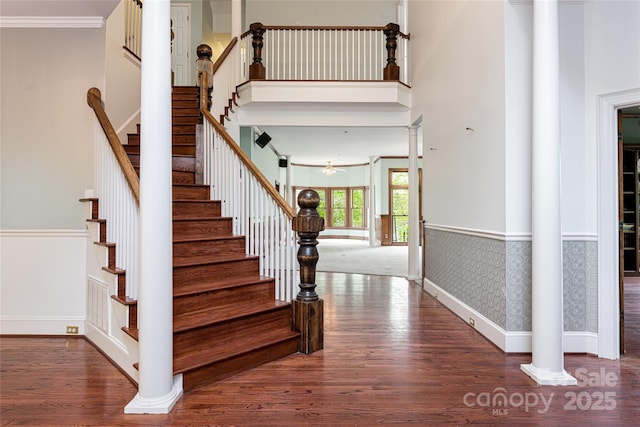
(282, 163)
(263, 139)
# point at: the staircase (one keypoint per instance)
(226, 318)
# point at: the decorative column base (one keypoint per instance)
(156, 405)
(308, 320)
(546, 377)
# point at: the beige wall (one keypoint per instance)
(457, 56)
(122, 77)
(46, 136)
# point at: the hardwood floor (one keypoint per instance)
(393, 355)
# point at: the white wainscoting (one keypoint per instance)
(42, 281)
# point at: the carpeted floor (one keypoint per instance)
(356, 256)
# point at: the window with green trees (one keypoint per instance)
(343, 207)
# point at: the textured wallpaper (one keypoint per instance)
(493, 277)
(471, 268)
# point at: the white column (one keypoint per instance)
(413, 272)
(547, 365)
(236, 18)
(372, 201)
(157, 390)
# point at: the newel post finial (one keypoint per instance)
(391, 70)
(256, 69)
(204, 74)
(307, 308)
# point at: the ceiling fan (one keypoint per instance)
(329, 169)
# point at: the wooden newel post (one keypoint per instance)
(256, 69)
(307, 308)
(204, 73)
(391, 70)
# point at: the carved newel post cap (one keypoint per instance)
(308, 220)
(308, 199)
(255, 26)
(204, 52)
(392, 27)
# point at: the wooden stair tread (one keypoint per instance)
(219, 285)
(247, 344)
(114, 270)
(191, 186)
(209, 260)
(202, 218)
(209, 316)
(105, 244)
(207, 239)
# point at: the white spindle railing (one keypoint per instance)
(228, 74)
(256, 214)
(133, 26)
(119, 207)
(316, 53)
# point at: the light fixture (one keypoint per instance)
(329, 169)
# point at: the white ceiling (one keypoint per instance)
(340, 145)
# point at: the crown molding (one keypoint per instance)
(52, 22)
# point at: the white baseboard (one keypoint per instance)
(40, 325)
(512, 341)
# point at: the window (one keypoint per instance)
(341, 207)
(357, 207)
(338, 207)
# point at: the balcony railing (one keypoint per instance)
(133, 27)
(324, 53)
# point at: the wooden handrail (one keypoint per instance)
(249, 164)
(224, 54)
(94, 100)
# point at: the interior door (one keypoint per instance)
(181, 44)
(621, 231)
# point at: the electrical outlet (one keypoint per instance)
(472, 322)
(72, 330)
(435, 295)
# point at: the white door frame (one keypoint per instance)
(608, 235)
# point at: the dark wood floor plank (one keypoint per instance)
(392, 355)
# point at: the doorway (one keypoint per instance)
(399, 204)
(628, 122)
(181, 44)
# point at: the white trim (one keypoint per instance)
(132, 58)
(580, 342)
(40, 325)
(486, 327)
(580, 237)
(512, 341)
(156, 405)
(543, 376)
(608, 260)
(511, 237)
(119, 355)
(572, 342)
(44, 233)
(481, 233)
(52, 21)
